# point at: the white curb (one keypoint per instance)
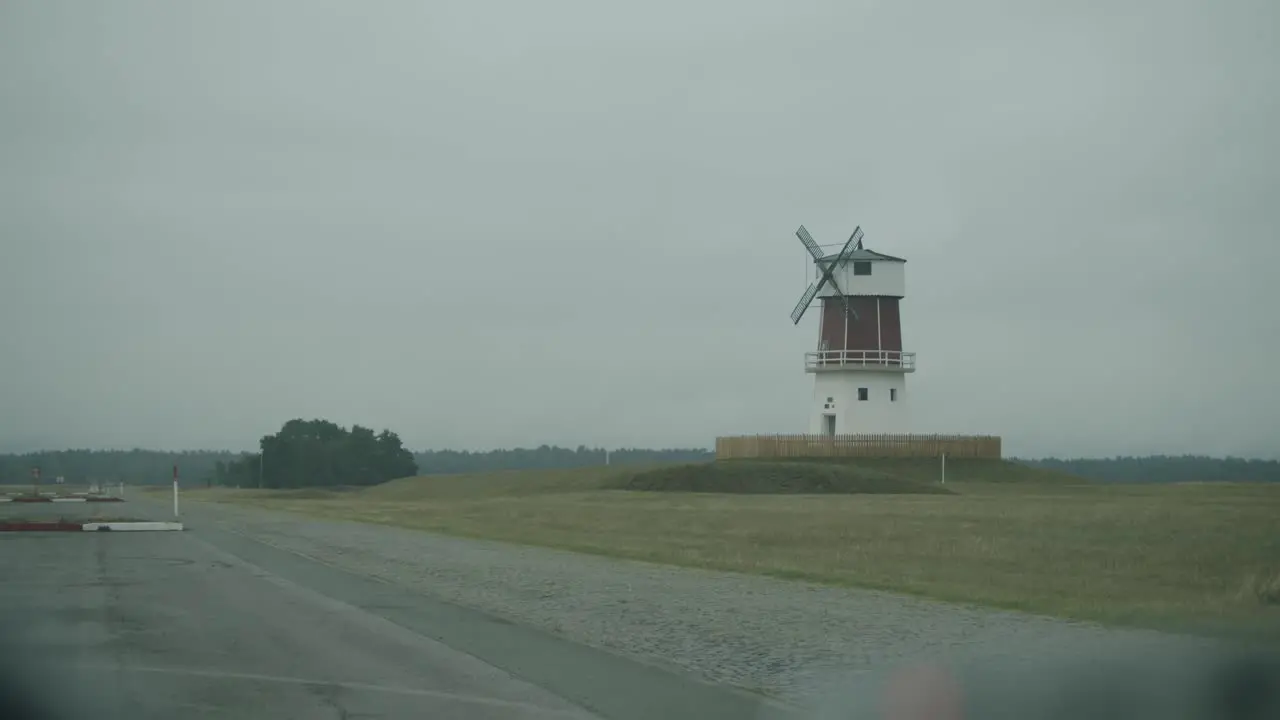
(90, 527)
(67, 499)
(6, 499)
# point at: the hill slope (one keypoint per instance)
(958, 470)
(759, 477)
(792, 476)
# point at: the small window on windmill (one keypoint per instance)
(893, 394)
(862, 393)
(831, 399)
(862, 267)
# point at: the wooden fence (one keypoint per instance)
(867, 446)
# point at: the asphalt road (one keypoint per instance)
(207, 623)
(211, 622)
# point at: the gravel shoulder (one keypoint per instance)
(790, 640)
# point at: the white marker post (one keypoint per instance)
(175, 491)
(944, 471)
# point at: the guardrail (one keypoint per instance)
(871, 359)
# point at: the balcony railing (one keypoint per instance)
(853, 359)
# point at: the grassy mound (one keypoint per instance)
(961, 470)
(760, 477)
(500, 483)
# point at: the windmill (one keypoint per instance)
(828, 266)
(858, 364)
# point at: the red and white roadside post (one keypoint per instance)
(35, 482)
(175, 491)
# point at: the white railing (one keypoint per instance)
(870, 359)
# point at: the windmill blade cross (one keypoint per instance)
(828, 269)
(853, 243)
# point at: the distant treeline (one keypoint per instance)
(221, 466)
(134, 467)
(1165, 469)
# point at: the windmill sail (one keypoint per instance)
(809, 243)
(803, 305)
(856, 238)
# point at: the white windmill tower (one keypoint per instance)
(859, 368)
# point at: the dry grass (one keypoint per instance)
(1192, 557)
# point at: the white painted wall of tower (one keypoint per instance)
(837, 393)
(887, 278)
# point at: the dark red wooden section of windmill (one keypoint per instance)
(874, 336)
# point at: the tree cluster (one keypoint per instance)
(319, 453)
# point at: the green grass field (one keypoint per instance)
(1203, 558)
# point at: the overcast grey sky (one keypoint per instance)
(496, 223)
